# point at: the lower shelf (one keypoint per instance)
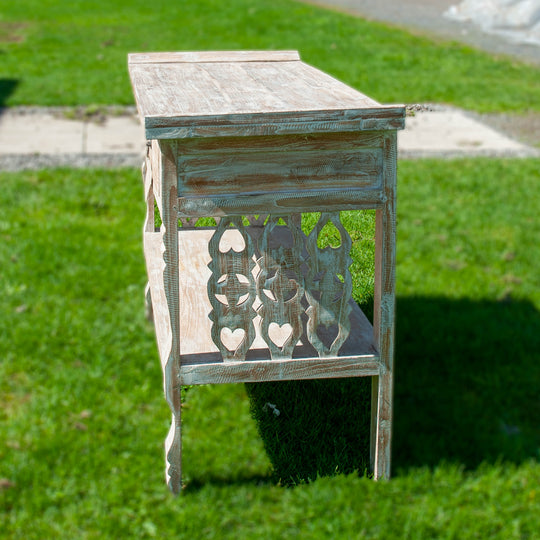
(280, 370)
(200, 360)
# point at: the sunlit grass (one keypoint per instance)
(82, 414)
(75, 53)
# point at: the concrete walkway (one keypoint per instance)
(32, 138)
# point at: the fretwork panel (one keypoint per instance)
(328, 288)
(232, 290)
(276, 274)
(280, 284)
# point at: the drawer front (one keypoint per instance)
(241, 165)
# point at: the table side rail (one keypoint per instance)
(281, 370)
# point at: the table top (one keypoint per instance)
(193, 94)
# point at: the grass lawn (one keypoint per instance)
(82, 413)
(82, 416)
(74, 53)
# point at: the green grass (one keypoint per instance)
(82, 413)
(83, 418)
(74, 53)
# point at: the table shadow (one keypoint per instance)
(467, 391)
(7, 87)
(467, 382)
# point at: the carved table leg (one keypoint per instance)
(384, 312)
(171, 354)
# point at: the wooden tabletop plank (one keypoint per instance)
(212, 56)
(242, 87)
(219, 88)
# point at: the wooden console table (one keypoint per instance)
(250, 141)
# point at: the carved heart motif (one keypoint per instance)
(231, 339)
(232, 239)
(279, 334)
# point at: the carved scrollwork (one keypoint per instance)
(280, 284)
(148, 182)
(291, 267)
(328, 288)
(257, 220)
(231, 288)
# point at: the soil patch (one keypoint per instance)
(12, 32)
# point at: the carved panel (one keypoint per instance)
(148, 182)
(328, 288)
(257, 220)
(231, 289)
(280, 284)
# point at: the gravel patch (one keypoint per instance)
(32, 162)
(524, 128)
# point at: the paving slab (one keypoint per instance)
(33, 138)
(115, 135)
(453, 133)
(40, 137)
(41, 133)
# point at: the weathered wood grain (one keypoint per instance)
(217, 174)
(148, 226)
(272, 171)
(384, 313)
(280, 370)
(170, 357)
(148, 184)
(186, 95)
(160, 310)
(277, 123)
(212, 56)
(304, 142)
(184, 89)
(279, 202)
(155, 165)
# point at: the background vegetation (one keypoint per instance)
(75, 53)
(82, 416)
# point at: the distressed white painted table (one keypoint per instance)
(252, 141)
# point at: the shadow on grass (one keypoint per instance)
(466, 382)
(466, 391)
(196, 484)
(313, 428)
(7, 87)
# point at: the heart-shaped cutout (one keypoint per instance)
(231, 339)
(279, 334)
(232, 239)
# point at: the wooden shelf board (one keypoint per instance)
(280, 370)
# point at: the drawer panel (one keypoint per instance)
(279, 164)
